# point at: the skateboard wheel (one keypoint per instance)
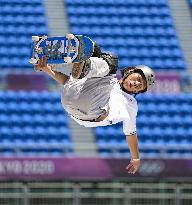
(67, 59)
(33, 61)
(70, 36)
(35, 38)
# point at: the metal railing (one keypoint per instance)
(95, 193)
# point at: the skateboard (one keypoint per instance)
(65, 49)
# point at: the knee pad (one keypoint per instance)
(86, 69)
(112, 61)
(97, 51)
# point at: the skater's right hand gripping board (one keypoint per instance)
(47, 68)
(41, 64)
(66, 49)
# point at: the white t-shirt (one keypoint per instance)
(122, 108)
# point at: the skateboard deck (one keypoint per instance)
(65, 49)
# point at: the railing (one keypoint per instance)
(95, 193)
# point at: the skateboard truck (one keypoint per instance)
(33, 61)
(37, 40)
(70, 48)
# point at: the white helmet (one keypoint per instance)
(149, 75)
(145, 71)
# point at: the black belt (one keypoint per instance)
(94, 120)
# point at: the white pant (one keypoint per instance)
(84, 98)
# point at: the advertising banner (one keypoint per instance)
(89, 168)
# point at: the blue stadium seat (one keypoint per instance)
(28, 133)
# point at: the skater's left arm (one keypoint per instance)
(130, 129)
(134, 164)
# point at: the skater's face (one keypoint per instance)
(134, 83)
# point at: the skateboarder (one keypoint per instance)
(93, 96)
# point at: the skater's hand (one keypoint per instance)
(42, 64)
(133, 166)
